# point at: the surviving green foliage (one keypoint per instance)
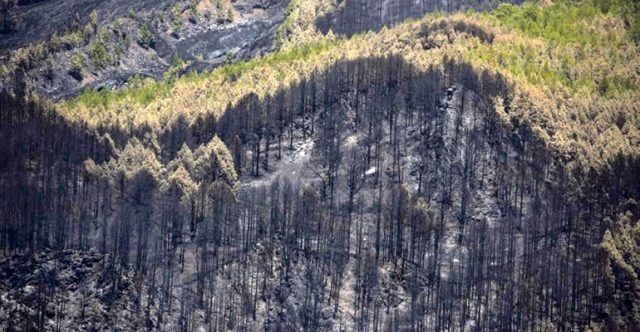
(77, 63)
(145, 37)
(99, 55)
(574, 67)
(583, 46)
(621, 247)
(285, 26)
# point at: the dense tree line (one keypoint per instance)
(413, 181)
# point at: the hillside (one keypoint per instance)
(474, 170)
(101, 44)
(356, 16)
(568, 103)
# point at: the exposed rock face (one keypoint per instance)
(243, 40)
(354, 16)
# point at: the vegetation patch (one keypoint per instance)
(554, 55)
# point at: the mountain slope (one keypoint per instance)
(474, 171)
(568, 103)
(356, 16)
(102, 44)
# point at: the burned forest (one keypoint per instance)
(413, 184)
